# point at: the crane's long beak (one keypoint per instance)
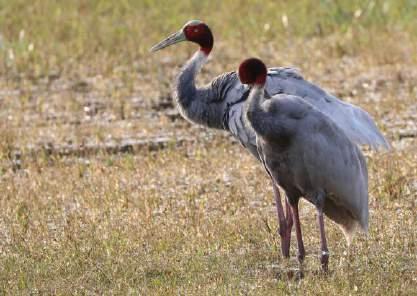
(170, 40)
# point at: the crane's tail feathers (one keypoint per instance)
(364, 131)
(350, 229)
(376, 143)
(345, 220)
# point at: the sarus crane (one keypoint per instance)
(307, 155)
(219, 105)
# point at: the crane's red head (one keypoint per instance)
(200, 33)
(194, 31)
(253, 72)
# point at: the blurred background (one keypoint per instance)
(93, 56)
(104, 187)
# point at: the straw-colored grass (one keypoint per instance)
(195, 218)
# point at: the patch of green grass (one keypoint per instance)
(44, 36)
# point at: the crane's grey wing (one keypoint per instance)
(354, 121)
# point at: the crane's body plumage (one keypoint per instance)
(309, 156)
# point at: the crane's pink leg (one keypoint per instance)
(296, 218)
(289, 222)
(324, 258)
(284, 230)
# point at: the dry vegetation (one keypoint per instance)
(91, 202)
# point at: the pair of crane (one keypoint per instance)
(306, 139)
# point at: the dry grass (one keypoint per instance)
(195, 218)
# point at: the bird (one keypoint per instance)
(219, 104)
(307, 155)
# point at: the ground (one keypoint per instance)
(106, 189)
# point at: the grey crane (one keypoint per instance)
(219, 105)
(309, 156)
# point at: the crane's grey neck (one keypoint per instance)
(254, 101)
(185, 87)
(197, 105)
(255, 115)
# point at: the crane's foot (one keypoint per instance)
(324, 260)
(301, 255)
(294, 274)
(299, 275)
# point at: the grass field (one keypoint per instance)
(105, 189)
